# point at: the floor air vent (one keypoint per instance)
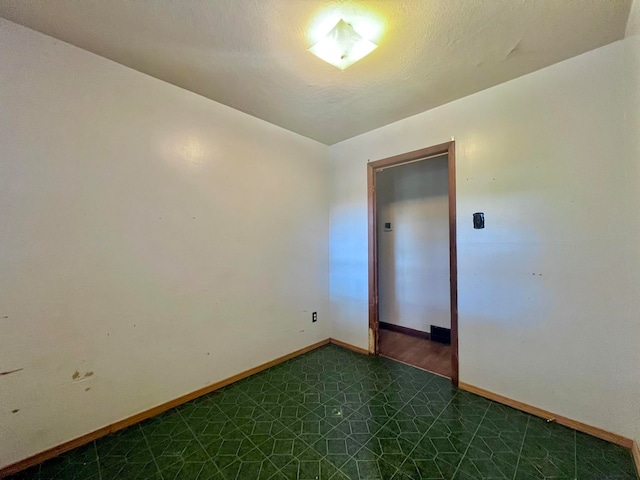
(441, 335)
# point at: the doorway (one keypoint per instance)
(402, 330)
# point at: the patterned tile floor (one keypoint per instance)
(335, 414)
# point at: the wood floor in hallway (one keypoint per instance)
(431, 356)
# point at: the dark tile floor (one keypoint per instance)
(334, 414)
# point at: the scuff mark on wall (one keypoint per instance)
(8, 372)
(76, 375)
(15, 410)
(87, 389)
(514, 50)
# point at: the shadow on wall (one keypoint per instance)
(349, 288)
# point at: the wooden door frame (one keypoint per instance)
(424, 154)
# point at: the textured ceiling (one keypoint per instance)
(252, 54)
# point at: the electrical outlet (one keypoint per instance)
(314, 317)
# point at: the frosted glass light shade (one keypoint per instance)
(342, 46)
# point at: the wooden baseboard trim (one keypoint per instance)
(635, 451)
(405, 330)
(348, 346)
(538, 412)
(152, 412)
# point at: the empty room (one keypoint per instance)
(319, 239)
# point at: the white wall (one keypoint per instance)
(413, 258)
(148, 235)
(548, 304)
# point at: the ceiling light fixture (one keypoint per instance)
(343, 46)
